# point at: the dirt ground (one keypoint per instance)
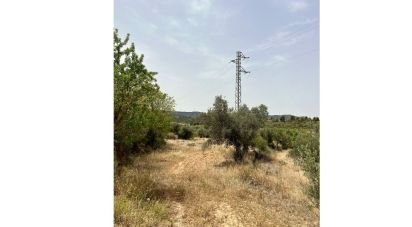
(206, 188)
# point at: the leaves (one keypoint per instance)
(237, 128)
(141, 110)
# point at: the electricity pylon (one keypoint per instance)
(239, 70)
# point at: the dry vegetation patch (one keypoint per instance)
(185, 185)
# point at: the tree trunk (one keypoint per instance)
(120, 153)
(238, 156)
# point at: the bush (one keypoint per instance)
(267, 135)
(284, 138)
(260, 143)
(155, 139)
(306, 152)
(203, 133)
(185, 133)
(175, 128)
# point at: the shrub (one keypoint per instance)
(155, 139)
(260, 143)
(284, 137)
(185, 133)
(203, 133)
(306, 152)
(267, 135)
(175, 128)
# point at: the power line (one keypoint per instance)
(275, 42)
(296, 56)
(298, 32)
(221, 71)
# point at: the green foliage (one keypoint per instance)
(284, 137)
(175, 128)
(187, 117)
(237, 128)
(261, 113)
(218, 119)
(202, 132)
(306, 152)
(260, 143)
(267, 135)
(200, 119)
(182, 131)
(141, 110)
(185, 133)
(302, 136)
(243, 130)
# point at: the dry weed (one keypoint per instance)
(202, 186)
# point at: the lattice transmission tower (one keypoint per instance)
(239, 70)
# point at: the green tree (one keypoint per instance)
(237, 128)
(218, 119)
(141, 110)
(242, 131)
(262, 114)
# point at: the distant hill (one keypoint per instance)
(187, 114)
(277, 117)
(185, 117)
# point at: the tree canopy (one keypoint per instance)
(141, 110)
(237, 128)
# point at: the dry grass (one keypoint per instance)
(185, 185)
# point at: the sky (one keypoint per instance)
(190, 43)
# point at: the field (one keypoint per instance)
(188, 184)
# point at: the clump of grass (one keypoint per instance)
(130, 212)
(207, 144)
(137, 200)
(254, 177)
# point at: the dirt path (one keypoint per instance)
(206, 188)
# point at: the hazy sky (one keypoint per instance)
(190, 43)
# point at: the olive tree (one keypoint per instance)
(238, 128)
